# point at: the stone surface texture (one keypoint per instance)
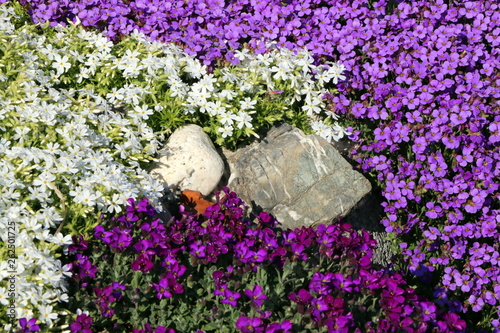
(189, 161)
(301, 179)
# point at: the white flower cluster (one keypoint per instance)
(232, 95)
(263, 73)
(63, 153)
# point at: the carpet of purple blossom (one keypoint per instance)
(422, 93)
(179, 256)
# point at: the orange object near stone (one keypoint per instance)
(195, 200)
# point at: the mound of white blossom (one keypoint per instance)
(64, 155)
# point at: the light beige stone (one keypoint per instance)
(189, 161)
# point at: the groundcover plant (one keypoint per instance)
(422, 90)
(57, 169)
(223, 272)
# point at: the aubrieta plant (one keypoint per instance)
(423, 80)
(225, 272)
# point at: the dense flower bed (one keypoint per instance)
(422, 89)
(221, 272)
(75, 138)
(427, 88)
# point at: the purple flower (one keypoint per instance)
(82, 324)
(285, 327)
(144, 247)
(87, 269)
(303, 297)
(339, 324)
(256, 296)
(102, 234)
(79, 244)
(198, 250)
(142, 263)
(249, 325)
(120, 239)
(297, 251)
(230, 297)
(29, 325)
(428, 311)
(162, 289)
(434, 211)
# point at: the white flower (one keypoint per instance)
(227, 93)
(226, 131)
(322, 77)
(322, 130)
(32, 225)
(206, 83)
(243, 119)
(61, 64)
(36, 193)
(132, 70)
(49, 51)
(130, 57)
(115, 95)
(44, 180)
(338, 132)
(21, 133)
(336, 72)
(84, 196)
(264, 59)
(114, 205)
(227, 118)
(215, 108)
(312, 106)
(194, 68)
(46, 314)
(247, 103)
(143, 111)
(281, 71)
(92, 62)
(3, 296)
(59, 239)
(228, 76)
(52, 148)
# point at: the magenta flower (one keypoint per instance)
(142, 263)
(29, 325)
(256, 296)
(163, 289)
(230, 297)
(249, 325)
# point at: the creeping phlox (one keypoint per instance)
(238, 93)
(232, 102)
(63, 154)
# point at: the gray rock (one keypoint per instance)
(300, 179)
(189, 161)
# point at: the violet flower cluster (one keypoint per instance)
(427, 89)
(220, 269)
